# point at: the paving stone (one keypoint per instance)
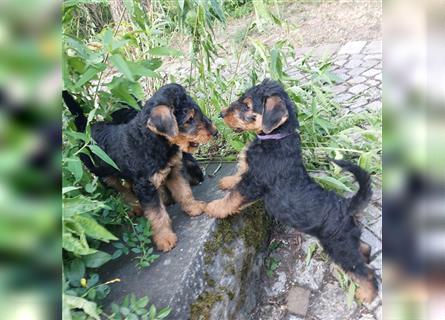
(339, 89)
(367, 317)
(375, 105)
(373, 94)
(372, 83)
(342, 75)
(373, 57)
(298, 300)
(357, 57)
(358, 104)
(372, 212)
(371, 73)
(378, 76)
(372, 240)
(352, 47)
(340, 62)
(326, 50)
(370, 63)
(356, 71)
(356, 80)
(342, 57)
(310, 275)
(279, 287)
(377, 264)
(294, 317)
(376, 228)
(358, 88)
(343, 97)
(332, 304)
(353, 64)
(373, 47)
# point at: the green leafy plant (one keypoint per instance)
(346, 284)
(133, 308)
(272, 265)
(138, 242)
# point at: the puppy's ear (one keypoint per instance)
(162, 121)
(274, 114)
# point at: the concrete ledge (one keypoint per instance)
(204, 271)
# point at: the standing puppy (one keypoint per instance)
(271, 168)
(148, 151)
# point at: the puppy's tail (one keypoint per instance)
(359, 201)
(80, 121)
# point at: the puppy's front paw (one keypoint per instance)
(136, 211)
(227, 183)
(165, 240)
(215, 209)
(194, 208)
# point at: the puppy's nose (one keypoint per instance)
(214, 131)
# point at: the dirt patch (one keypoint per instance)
(315, 22)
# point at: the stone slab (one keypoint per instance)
(298, 301)
(176, 278)
(352, 47)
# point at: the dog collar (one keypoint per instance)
(276, 136)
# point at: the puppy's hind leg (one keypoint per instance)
(127, 194)
(345, 249)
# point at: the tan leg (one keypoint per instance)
(366, 292)
(163, 235)
(365, 249)
(230, 182)
(182, 193)
(126, 192)
(232, 203)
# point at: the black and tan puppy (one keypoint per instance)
(271, 168)
(148, 149)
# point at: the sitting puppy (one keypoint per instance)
(191, 168)
(148, 149)
(271, 168)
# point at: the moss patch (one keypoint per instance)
(257, 225)
(201, 308)
(253, 231)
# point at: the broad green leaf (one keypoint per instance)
(101, 154)
(163, 313)
(94, 229)
(165, 51)
(140, 70)
(90, 308)
(142, 302)
(80, 204)
(218, 10)
(74, 245)
(97, 259)
(74, 165)
(365, 160)
(68, 189)
(91, 73)
(122, 66)
(108, 38)
(75, 270)
(332, 183)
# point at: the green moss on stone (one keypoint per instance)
(256, 227)
(201, 308)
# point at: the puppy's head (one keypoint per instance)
(261, 109)
(174, 115)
